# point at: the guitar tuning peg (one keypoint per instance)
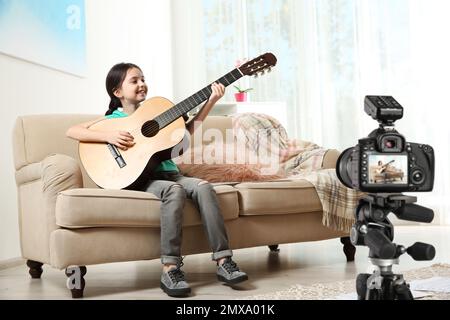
(269, 70)
(262, 72)
(256, 75)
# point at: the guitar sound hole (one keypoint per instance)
(150, 129)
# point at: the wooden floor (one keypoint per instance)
(303, 263)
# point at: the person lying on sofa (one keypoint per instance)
(126, 87)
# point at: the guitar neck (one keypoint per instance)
(384, 166)
(193, 101)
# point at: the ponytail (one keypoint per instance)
(114, 104)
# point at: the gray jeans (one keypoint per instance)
(173, 189)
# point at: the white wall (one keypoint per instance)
(137, 31)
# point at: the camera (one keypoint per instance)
(385, 161)
(384, 164)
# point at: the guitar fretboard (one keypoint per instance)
(193, 101)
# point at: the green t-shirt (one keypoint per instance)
(167, 165)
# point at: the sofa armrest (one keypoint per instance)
(38, 188)
(330, 159)
(60, 172)
(28, 173)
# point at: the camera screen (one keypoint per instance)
(388, 169)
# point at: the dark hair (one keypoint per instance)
(114, 80)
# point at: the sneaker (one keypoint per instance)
(173, 282)
(229, 272)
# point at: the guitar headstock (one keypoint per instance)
(259, 65)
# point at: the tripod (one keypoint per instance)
(373, 229)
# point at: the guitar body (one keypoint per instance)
(147, 153)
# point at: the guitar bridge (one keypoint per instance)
(117, 156)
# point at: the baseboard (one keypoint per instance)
(11, 263)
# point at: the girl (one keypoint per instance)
(126, 87)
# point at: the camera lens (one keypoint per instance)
(343, 167)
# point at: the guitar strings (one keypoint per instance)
(148, 129)
(155, 126)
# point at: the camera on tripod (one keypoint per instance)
(384, 165)
(384, 161)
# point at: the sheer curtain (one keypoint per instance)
(330, 55)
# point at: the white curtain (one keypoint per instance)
(331, 53)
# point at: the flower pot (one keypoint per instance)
(241, 96)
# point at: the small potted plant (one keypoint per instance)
(241, 95)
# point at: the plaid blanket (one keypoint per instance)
(266, 137)
(338, 202)
(301, 160)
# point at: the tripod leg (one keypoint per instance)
(374, 294)
(361, 285)
(403, 292)
(389, 288)
(375, 286)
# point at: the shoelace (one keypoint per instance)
(230, 265)
(176, 274)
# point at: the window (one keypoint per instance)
(330, 55)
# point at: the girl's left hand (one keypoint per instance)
(218, 91)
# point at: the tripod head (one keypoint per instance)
(373, 229)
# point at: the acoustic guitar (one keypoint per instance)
(159, 133)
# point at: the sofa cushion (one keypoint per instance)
(80, 208)
(277, 197)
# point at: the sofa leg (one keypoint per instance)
(75, 281)
(35, 269)
(274, 248)
(349, 248)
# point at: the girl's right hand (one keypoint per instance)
(121, 139)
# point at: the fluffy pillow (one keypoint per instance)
(221, 162)
(227, 172)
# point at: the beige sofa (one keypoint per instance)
(65, 220)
